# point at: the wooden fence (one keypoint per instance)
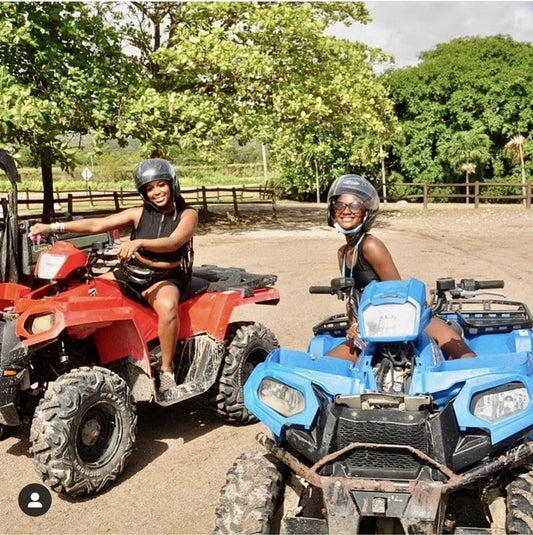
(87, 202)
(475, 192)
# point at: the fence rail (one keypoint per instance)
(86, 202)
(476, 192)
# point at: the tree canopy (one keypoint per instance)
(264, 71)
(62, 72)
(477, 85)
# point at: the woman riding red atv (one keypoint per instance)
(156, 263)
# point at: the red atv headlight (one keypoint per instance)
(60, 261)
(48, 265)
(41, 323)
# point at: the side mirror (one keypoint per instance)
(7, 163)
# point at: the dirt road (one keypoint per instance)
(172, 482)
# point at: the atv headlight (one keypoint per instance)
(281, 397)
(40, 324)
(49, 265)
(502, 402)
(391, 321)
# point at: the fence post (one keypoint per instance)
(425, 195)
(27, 199)
(117, 201)
(476, 194)
(235, 205)
(70, 204)
(528, 195)
(204, 199)
(274, 213)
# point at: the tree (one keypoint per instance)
(467, 151)
(263, 71)
(62, 73)
(516, 147)
(460, 86)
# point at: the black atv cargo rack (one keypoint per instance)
(336, 325)
(222, 279)
(489, 316)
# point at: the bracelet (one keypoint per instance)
(58, 227)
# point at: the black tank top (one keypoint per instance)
(154, 224)
(362, 272)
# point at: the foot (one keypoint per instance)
(166, 381)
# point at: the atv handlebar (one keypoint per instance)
(321, 290)
(340, 287)
(448, 284)
(471, 285)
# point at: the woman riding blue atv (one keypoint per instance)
(353, 206)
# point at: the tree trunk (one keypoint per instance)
(48, 184)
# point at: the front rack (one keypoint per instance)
(484, 316)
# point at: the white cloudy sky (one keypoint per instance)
(406, 28)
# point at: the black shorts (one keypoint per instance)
(135, 277)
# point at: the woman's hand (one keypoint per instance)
(38, 229)
(353, 330)
(128, 248)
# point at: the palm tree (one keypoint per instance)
(469, 168)
(516, 147)
(467, 151)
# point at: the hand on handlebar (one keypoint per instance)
(128, 248)
(38, 229)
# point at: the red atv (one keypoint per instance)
(77, 355)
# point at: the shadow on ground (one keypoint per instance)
(222, 219)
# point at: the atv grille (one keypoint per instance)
(395, 428)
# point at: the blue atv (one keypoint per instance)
(402, 441)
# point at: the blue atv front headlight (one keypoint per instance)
(499, 403)
(280, 397)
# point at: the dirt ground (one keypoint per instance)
(172, 482)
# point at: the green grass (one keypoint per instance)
(113, 178)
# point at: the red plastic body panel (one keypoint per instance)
(10, 292)
(121, 326)
(75, 258)
(211, 312)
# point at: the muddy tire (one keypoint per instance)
(83, 431)
(520, 503)
(250, 498)
(248, 344)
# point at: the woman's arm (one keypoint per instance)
(379, 257)
(92, 225)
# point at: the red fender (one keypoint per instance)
(10, 292)
(211, 312)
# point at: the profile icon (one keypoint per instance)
(35, 499)
(35, 503)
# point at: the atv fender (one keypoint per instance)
(10, 292)
(111, 324)
(211, 312)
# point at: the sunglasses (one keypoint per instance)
(353, 206)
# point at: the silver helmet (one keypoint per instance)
(363, 190)
(155, 169)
